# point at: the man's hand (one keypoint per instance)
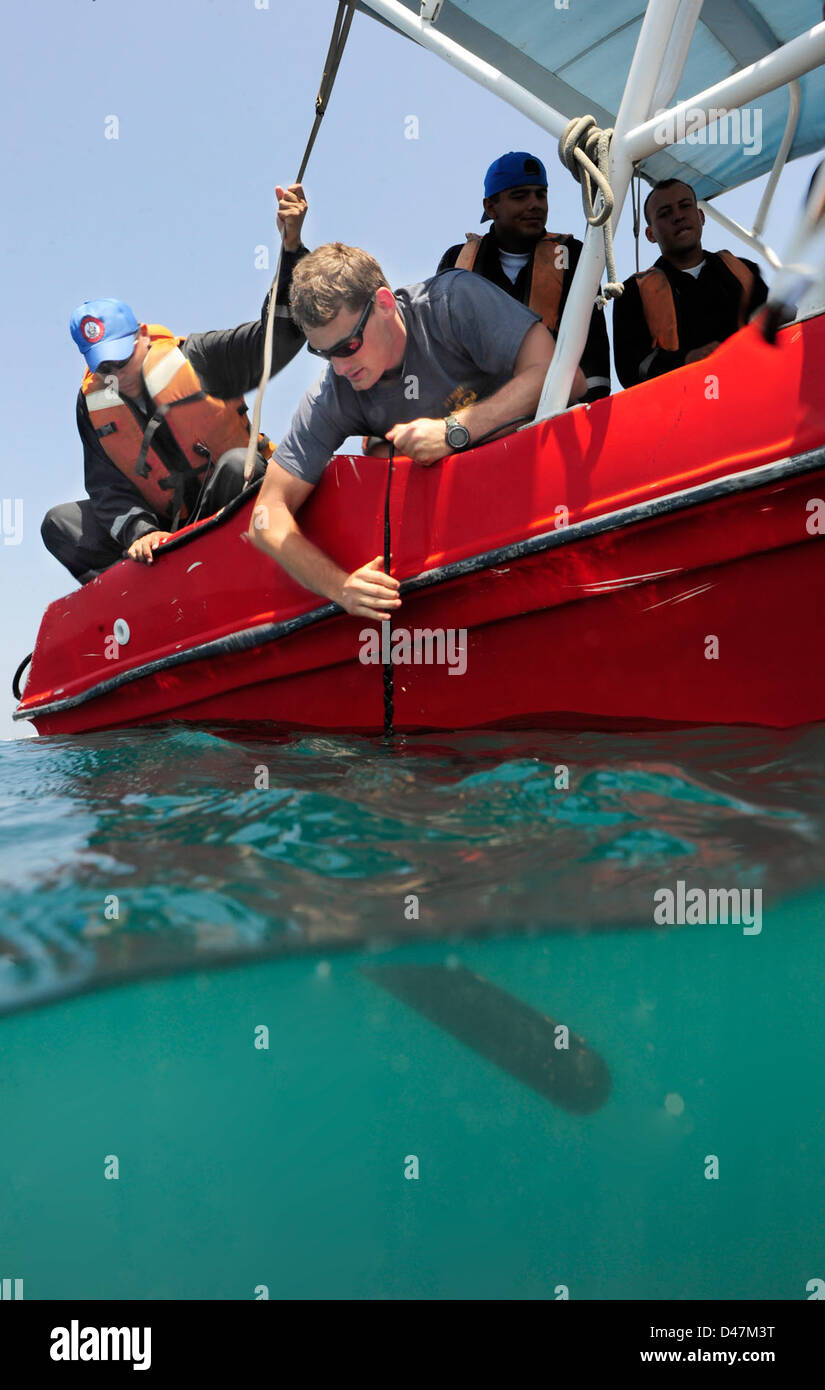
(424, 441)
(292, 209)
(142, 548)
(370, 593)
(698, 353)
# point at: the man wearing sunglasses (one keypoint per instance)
(430, 368)
(163, 420)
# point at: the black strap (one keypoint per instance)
(340, 31)
(141, 467)
(341, 28)
(15, 680)
(180, 488)
(387, 671)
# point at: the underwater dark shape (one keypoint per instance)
(502, 1028)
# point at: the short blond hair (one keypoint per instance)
(332, 278)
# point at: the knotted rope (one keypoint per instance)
(584, 149)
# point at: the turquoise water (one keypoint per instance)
(135, 864)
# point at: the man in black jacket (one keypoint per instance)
(530, 264)
(125, 513)
(681, 309)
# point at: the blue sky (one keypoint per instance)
(214, 101)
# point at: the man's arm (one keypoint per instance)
(595, 359)
(229, 361)
(425, 441)
(449, 259)
(367, 593)
(759, 292)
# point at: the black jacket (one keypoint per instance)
(229, 363)
(595, 361)
(707, 310)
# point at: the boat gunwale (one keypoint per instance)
(263, 634)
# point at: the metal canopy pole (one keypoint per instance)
(651, 46)
(673, 61)
(794, 106)
(750, 238)
(461, 58)
(792, 60)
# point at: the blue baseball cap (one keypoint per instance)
(104, 330)
(513, 170)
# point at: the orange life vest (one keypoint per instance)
(659, 306)
(202, 426)
(547, 279)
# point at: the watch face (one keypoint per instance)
(458, 436)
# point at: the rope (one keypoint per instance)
(636, 200)
(584, 150)
(340, 32)
(387, 671)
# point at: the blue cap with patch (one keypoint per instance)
(104, 330)
(513, 170)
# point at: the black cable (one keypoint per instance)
(15, 680)
(508, 425)
(387, 671)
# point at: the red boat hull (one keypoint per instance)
(654, 558)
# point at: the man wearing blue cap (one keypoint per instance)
(533, 265)
(163, 420)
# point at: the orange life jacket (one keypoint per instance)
(659, 304)
(547, 279)
(202, 426)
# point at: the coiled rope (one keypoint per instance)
(340, 32)
(584, 149)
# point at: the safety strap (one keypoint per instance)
(141, 467)
(340, 31)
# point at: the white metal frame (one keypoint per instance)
(658, 62)
(784, 65)
(753, 237)
(461, 58)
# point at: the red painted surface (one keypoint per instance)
(610, 630)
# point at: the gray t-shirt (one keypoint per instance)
(463, 338)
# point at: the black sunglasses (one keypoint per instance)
(112, 368)
(353, 342)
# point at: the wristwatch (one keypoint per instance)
(456, 434)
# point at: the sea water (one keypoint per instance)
(327, 1017)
